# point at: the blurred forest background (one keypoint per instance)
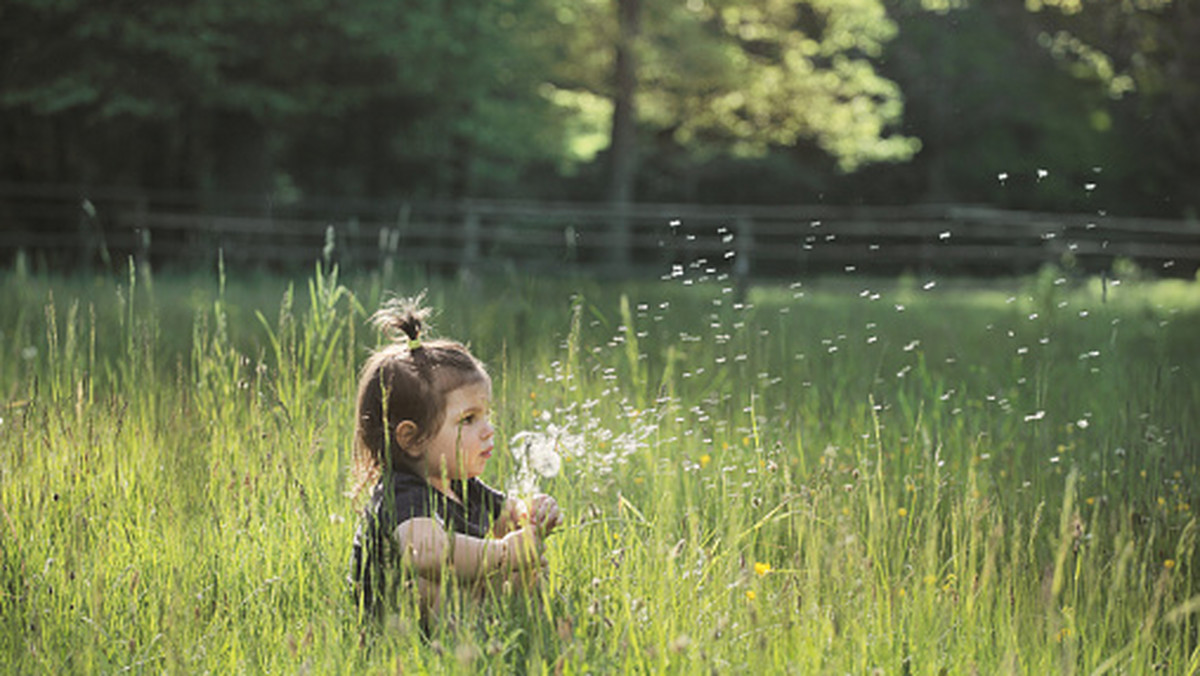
(1057, 105)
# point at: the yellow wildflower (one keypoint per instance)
(761, 568)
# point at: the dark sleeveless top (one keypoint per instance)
(396, 498)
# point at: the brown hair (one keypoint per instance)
(405, 380)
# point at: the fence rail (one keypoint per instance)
(69, 227)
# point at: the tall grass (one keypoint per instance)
(823, 477)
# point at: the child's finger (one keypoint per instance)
(520, 512)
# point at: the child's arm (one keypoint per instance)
(427, 547)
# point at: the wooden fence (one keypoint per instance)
(58, 227)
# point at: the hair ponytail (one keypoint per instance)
(403, 319)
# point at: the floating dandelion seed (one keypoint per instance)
(1002, 176)
(1042, 173)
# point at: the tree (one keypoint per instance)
(368, 97)
(1145, 56)
(740, 76)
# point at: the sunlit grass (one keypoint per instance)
(830, 476)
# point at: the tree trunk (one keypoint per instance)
(623, 144)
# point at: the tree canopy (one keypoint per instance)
(768, 100)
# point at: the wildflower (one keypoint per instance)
(680, 643)
(761, 568)
(902, 512)
(751, 595)
(466, 654)
(704, 460)
(1169, 564)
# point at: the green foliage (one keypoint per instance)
(824, 480)
(427, 82)
(739, 100)
(730, 76)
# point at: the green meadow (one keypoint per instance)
(836, 475)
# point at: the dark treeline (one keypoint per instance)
(1072, 105)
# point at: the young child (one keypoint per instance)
(423, 438)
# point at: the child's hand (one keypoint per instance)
(513, 516)
(544, 515)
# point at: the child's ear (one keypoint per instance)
(406, 436)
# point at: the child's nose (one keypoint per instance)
(488, 430)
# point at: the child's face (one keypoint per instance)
(462, 445)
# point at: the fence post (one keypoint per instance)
(621, 242)
(743, 247)
(470, 238)
(141, 231)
